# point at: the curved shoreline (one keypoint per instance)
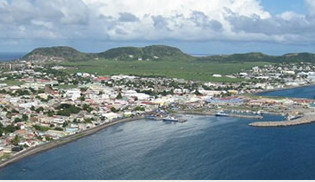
(62, 141)
(285, 88)
(67, 139)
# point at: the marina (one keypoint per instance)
(223, 114)
(306, 119)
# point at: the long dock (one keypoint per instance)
(306, 119)
(212, 113)
(245, 116)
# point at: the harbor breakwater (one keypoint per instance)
(306, 119)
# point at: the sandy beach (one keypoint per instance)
(62, 141)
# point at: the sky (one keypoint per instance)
(195, 26)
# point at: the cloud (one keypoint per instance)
(286, 27)
(203, 21)
(127, 17)
(160, 22)
(192, 20)
(310, 6)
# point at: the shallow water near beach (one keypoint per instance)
(204, 147)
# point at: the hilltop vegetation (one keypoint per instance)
(159, 60)
(58, 54)
(260, 57)
(149, 53)
(156, 53)
(299, 57)
(248, 57)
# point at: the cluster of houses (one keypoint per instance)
(46, 104)
(274, 76)
(281, 75)
(38, 109)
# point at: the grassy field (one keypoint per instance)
(67, 86)
(5, 156)
(12, 82)
(189, 70)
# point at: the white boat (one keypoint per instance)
(170, 119)
(293, 117)
(221, 114)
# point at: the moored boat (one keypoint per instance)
(293, 117)
(221, 114)
(170, 119)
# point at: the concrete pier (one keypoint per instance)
(212, 113)
(245, 116)
(306, 119)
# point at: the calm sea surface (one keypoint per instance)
(302, 92)
(205, 147)
(10, 56)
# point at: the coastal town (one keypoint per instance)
(40, 104)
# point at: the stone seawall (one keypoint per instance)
(306, 119)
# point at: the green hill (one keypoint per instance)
(247, 57)
(57, 54)
(156, 53)
(299, 57)
(260, 57)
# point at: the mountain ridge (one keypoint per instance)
(156, 53)
(64, 53)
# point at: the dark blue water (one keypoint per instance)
(202, 148)
(301, 92)
(10, 56)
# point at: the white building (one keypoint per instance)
(73, 94)
(217, 75)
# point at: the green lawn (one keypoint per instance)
(189, 70)
(67, 86)
(5, 156)
(12, 82)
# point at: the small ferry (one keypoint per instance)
(170, 119)
(221, 114)
(293, 117)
